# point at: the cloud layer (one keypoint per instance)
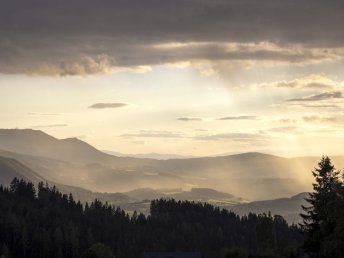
(50, 126)
(321, 96)
(107, 105)
(187, 119)
(82, 37)
(238, 118)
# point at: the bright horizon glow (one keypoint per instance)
(179, 111)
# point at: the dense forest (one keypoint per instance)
(48, 224)
(43, 222)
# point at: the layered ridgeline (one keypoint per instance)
(135, 200)
(289, 208)
(252, 176)
(75, 166)
(45, 223)
(139, 199)
(11, 168)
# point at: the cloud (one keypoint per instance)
(319, 97)
(295, 84)
(139, 142)
(187, 119)
(285, 130)
(107, 105)
(231, 136)
(288, 120)
(81, 37)
(42, 114)
(314, 81)
(50, 126)
(201, 130)
(321, 119)
(238, 118)
(317, 85)
(314, 105)
(153, 134)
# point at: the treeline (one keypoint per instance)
(45, 223)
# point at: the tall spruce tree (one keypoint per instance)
(319, 220)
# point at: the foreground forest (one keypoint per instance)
(49, 224)
(43, 222)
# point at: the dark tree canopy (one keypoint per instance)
(46, 223)
(323, 220)
(98, 250)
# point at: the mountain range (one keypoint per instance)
(74, 166)
(138, 199)
(252, 176)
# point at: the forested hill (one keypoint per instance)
(46, 223)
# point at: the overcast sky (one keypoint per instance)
(193, 77)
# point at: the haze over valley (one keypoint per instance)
(251, 175)
(231, 182)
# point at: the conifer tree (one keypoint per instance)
(318, 220)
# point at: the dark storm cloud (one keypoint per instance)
(85, 36)
(319, 97)
(107, 105)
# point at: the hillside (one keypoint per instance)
(38, 143)
(11, 168)
(289, 208)
(203, 195)
(253, 176)
(139, 199)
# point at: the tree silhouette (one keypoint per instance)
(320, 219)
(98, 250)
(51, 224)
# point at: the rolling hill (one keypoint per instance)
(253, 176)
(139, 199)
(289, 208)
(11, 168)
(38, 143)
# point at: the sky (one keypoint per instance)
(189, 77)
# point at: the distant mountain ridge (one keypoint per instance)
(38, 143)
(139, 199)
(11, 168)
(158, 156)
(253, 176)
